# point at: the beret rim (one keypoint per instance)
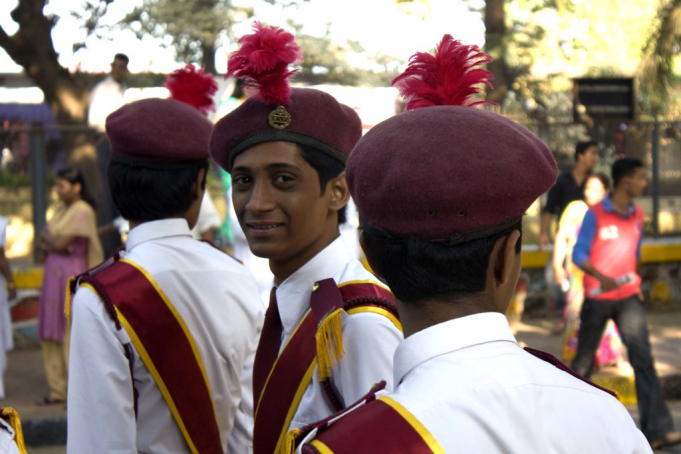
(155, 164)
(285, 136)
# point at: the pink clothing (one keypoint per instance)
(58, 269)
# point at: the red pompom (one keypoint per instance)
(449, 77)
(263, 62)
(193, 87)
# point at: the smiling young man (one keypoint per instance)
(331, 328)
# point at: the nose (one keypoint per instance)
(260, 198)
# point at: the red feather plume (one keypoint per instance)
(193, 87)
(263, 62)
(449, 77)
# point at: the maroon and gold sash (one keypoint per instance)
(291, 373)
(11, 417)
(135, 301)
(379, 426)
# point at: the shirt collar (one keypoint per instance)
(608, 206)
(154, 230)
(293, 295)
(450, 336)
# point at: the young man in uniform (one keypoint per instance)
(164, 333)
(608, 248)
(330, 330)
(441, 191)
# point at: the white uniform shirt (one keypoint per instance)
(105, 97)
(369, 339)
(218, 300)
(7, 443)
(475, 390)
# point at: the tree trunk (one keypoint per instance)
(495, 32)
(31, 47)
(208, 57)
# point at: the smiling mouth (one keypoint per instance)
(263, 226)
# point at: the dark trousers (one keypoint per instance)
(630, 317)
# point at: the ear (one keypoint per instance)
(78, 187)
(504, 256)
(197, 190)
(340, 194)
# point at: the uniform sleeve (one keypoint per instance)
(100, 407)
(585, 239)
(369, 341)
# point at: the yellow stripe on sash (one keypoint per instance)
(157, 378)
(321, 447)
(294, 405)
(416, 424)
(257, 404)
(377, 310)
(180, 321)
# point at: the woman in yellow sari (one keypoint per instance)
(71, 246)
(597, 186)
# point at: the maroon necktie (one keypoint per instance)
(268, 347)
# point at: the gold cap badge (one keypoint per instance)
(279, 118)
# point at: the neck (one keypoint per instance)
(579, 171)
(68, 203)
(621, 200)
(284, 268)
(416, 317)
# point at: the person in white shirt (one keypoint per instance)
(442, 225)
(8, 291)
(330, 330)
(163, 335)
(105, 97)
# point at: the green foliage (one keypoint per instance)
(549, 42)
(658, 68)
(326, 61)
(193, 27)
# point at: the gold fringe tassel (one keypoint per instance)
(329, 339)
(67, 301)
(289, 445)
(12, 417)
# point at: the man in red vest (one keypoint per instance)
(441, 190)
(163, 333)
(331, 329)
(608, 249)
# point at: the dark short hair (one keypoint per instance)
(122, 57)
(73, 175)
(147, 194)
(416, 269)
(624, 167)
(238, 91)
(603, 178)
(581, 148)
(327, 168)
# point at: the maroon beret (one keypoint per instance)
(448, 173)
(311, 117)
(159, 131)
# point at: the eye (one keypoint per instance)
(284, 179)
(241, 181)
